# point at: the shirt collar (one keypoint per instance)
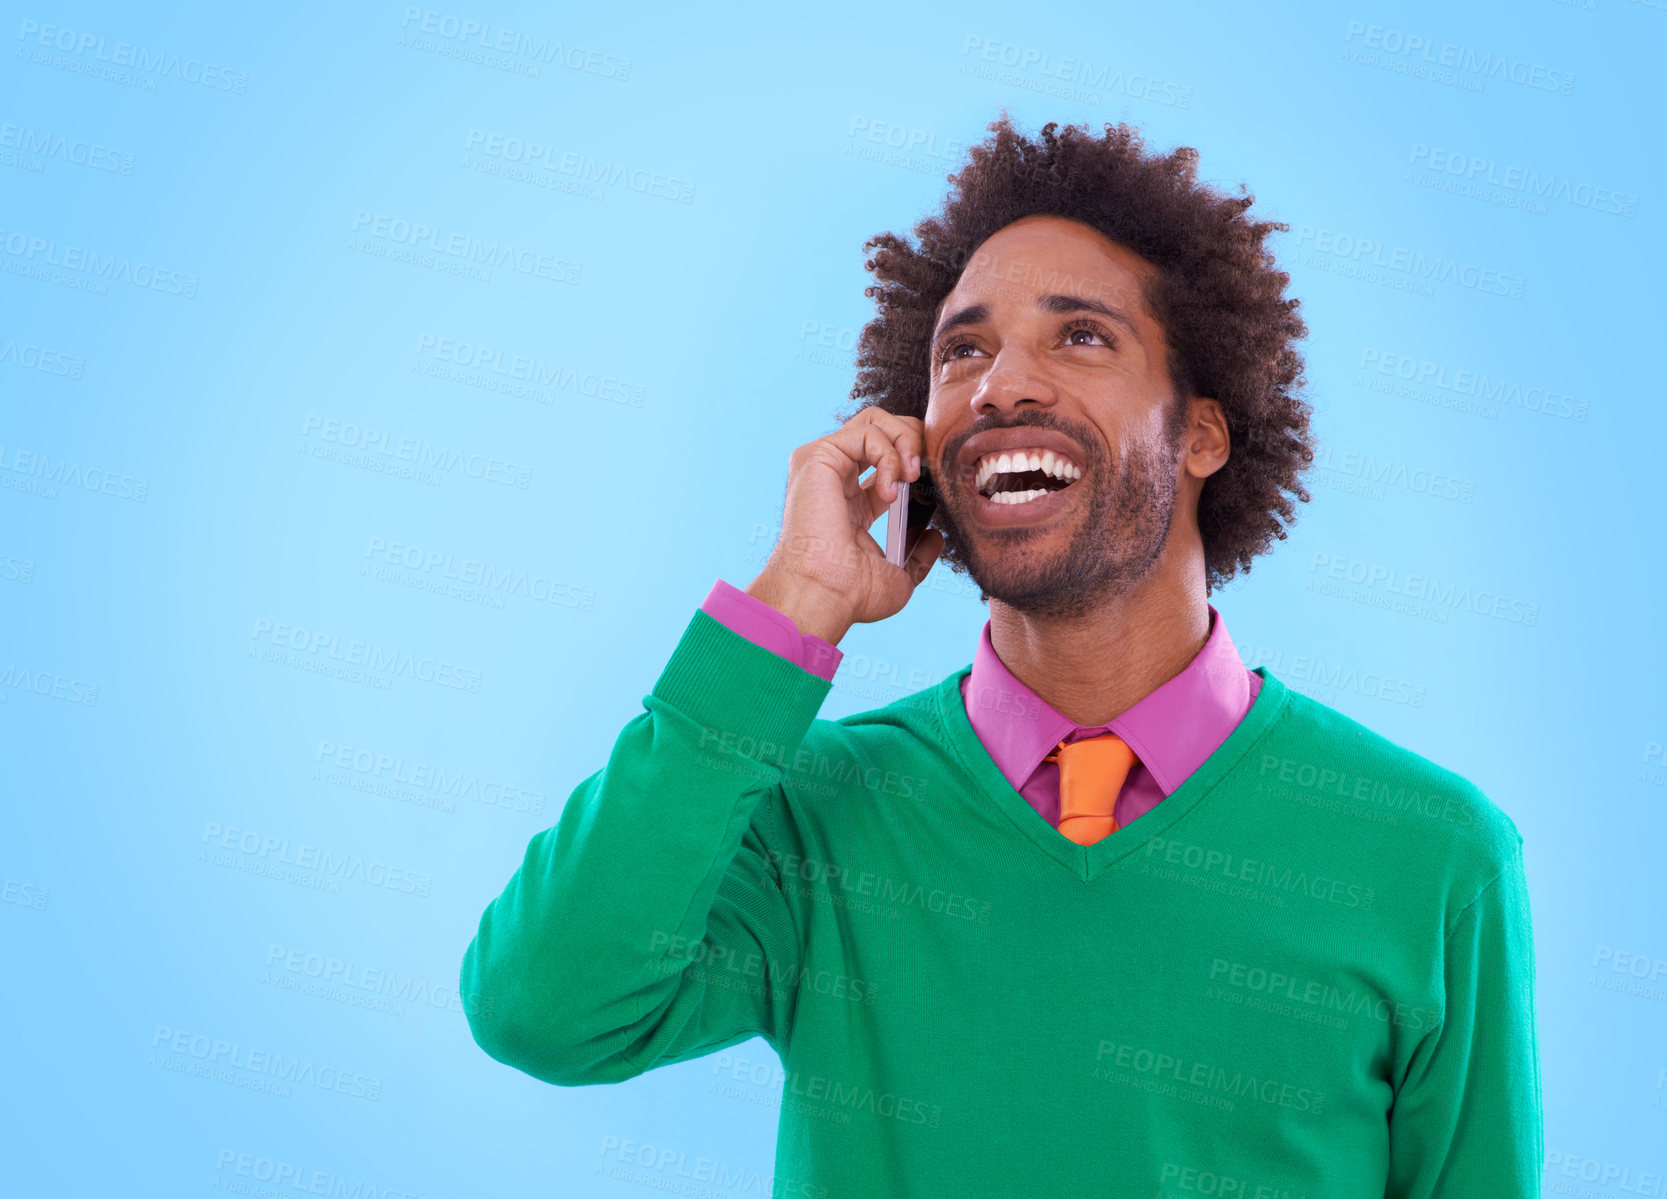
(1172, 730)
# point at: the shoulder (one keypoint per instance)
(1429, 818)
(887, 751)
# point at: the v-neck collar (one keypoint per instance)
(1171, 728)
(1087, 861)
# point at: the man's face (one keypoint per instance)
(1045, 344)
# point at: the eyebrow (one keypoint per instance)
(1059, 305)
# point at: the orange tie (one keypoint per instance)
(1091, 775)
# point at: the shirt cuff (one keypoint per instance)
(752, 618)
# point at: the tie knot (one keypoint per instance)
(1104, 750)
(1091, 776)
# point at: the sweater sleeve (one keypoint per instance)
(1467, 1116)
(776, 631)
(648, 925)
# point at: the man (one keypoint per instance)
(1103, 912)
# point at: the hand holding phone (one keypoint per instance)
(826, 571)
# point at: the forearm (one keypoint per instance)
(813, 609)
(587, 947)
(1468, 1118)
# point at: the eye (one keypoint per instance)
(1093, 328)
(948, 351)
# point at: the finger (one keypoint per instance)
(850, 450)
(873, 499)
(908, 434)
(905, 434)
(879, 449)
(919, 562)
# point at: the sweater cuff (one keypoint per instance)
(747, 700)
(758, 622)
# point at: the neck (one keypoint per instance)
(1094, 667)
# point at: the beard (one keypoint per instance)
(1117, 542)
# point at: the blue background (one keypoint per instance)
(202, 537)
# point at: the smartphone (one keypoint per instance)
(908, 517)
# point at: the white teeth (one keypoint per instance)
(1011, 461)
(1019, 497)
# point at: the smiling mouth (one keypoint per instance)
(1020, 476)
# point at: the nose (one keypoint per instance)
(1015, 378)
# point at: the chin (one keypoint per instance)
(1012, 580)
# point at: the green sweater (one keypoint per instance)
(1309, 971)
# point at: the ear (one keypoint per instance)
(1206, 443)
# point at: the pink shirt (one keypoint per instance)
(1172, 730)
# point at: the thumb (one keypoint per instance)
(919, 562)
